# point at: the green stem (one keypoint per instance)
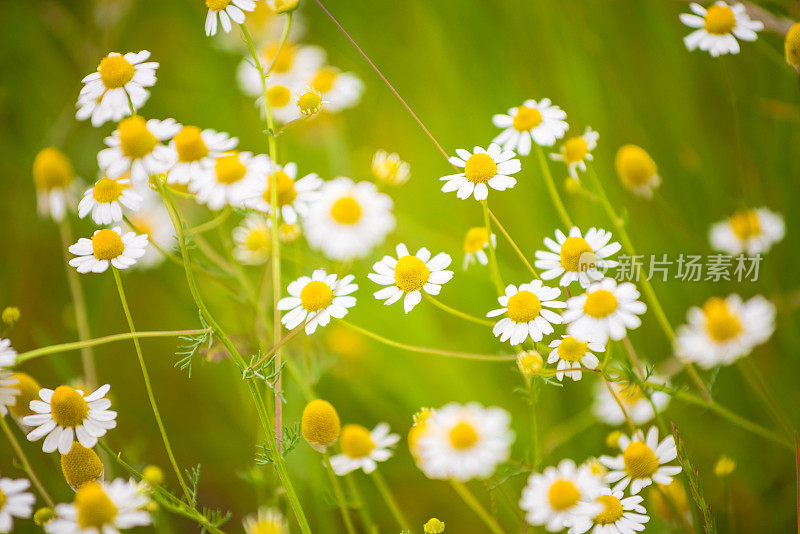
(498, 280)
(457, 313)
(213, 223)
(476, 507)
(339, 494)
(552, 189)
(386, 493)
(513, 244)
(12, 439)
(534, 401)
(366, 518)
(756, 381)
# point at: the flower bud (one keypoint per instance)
(320, 424)
(309, 102)
(43, 515)
(283, 6)
(792, 46)
(612, 439)
(636, 169)
(153, 475)
(52, 170)
(389, 168)
(724, 466)
(10, 315)
(81, 465)
(433, 526)
(529, 363)
(28, 390)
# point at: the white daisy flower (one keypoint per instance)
(226, 11)
(577, 258)
(282, 102)
(572, 353)
(390, 169)
(557, 497)
(117, 78)
(252, 241)
(637, 171)
(527, 311)
(106, 198)
(638, 408)
(233, 178)
(576, 151)
(134, 147)
(751, 231)
(612, 513)
(463, 442)
(54, 178)
(153, 220)
(725, 329)
(193, 152)
(475, 243)
(102, 507)
(293, 196)
(362, 449)
(348, 219)
(14, 502)
(482, 169)
(267, 521)
(541, 121)
(8, 356)
(339, 90)
(66, 414)
(107, 246)
(606, 310)
(291, 68)
(719, 27)
(316, 299)
(642, 462)
(410, 275)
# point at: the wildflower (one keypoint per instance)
(581, 258)
(53, 174)
(597, 469)
(103, 112)
(10, 315)
(134, 148)
(226, 11)
(26, 389)
(475, 241)
(281, 104)
(152, 219)
(289, 233)
(43, 515)
(268, 521)
(107, 246)
(642, 462)
(310, 102)
(725, 329)
(576, 151)
(482, 169)
(292, 67)
(339, 90)
(749, 231)
(152, 475)
(293, 196)
(316, 299)
(7, 353)
(433, 526)
(529, 363)
(637, 171)
(527, 313)
(541, 121)
(792, 46)
(612, 439)
(606, 310)
(105, 199)
(14, 502)
(8, 391)
(283, 6)
(102, 507)
(194, 151)
(348, 219)
(724, 466)
(718, 28)
(462, 442)
(572, 353)
(637, 406)
(362, 449)
(611, 513)
(320, 424)
(65, 413)
(418, 430)
(252, 241)
(233, 178)
(81, 465)
(390, 169)
(410, 275)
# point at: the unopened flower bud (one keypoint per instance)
(320, 424)
(81, 465)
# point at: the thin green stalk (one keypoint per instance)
(552, 189)
(391, 502)
(757, 383)
(513, 244)
(213, 223)
(339, 494)
(12, 439)
(476, 507)
(366, 518)
(467, 317)
(498, 280)
(534, 401)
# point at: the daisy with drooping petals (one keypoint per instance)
(606, 310)
(390, 169)
(541, 121)
(102, 507)
(751, 231)
(362, 449)
(226, 11)
(611, 513)
(348, 219)
(475, 242)
(576, 151)
(527, 312)
(339, 90)
(193, 152)
(577, 258)
(252, 241)
(293, 196)
(556, 497)
(53, 176)
(106, 198)
(66, 414)
(718, 27)
(725, 329)
(482, 169)
(14, 502)
(638, 408)
(463, 442)
(135, 147)
(108, 246)
(102, 112)
(571, 354)
(267, 521)
(410, 275)
(316, 299)
(233, 178)
(637, 171)
(642, 462)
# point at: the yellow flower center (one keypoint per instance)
(346, 210)
(529, 363)
(324, 79)
(115, 71)
(791, 46)
(107, 190)
(635, 166)
(572, 350)
(411, 273)
(356, 441)
(575, 149)
(746, 224)
(600, 303)
(279, 96)
(480, 168)
(309, 103)
(612, 510)
(2, 499)
(285, 59)
(68, 407)
(217, 5)
(463, 436)
(107, 244)
(189, 144)
(258, 240)
(630, 394)
(28, 389)
(721, 323)
(52, 169)
(320, 422)
(286, 193)
(135, 140)
(563, 495)
(577, 255)
(524, 307)
(640, 460)
(527, 119)
(229, 169)
(316, 296)
(476, 239)
(267, 526)
(81, 465)
(93, 507)
(719, 20)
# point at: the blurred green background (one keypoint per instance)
(617, 65)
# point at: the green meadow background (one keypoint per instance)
(619, 66)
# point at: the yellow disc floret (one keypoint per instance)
(229, 169)
(115, 71)
(480, 168)
(746, 224)
(563, 495)
(324, 79)
(135, 140)
(433, 526)
(571, 349)
(792, 46)
(309, 102)
(52, 169)
(320, 423)
(721, 324)
(527, 119)
(634, 166)
(719, 20)
(463, 436)
(316, 296)
(258, 240)
(283, 62)
(600, 303)
(43, 515)
(576, 254)
(411, 273)
(28, 390)
(81, 465)
(575, 149)
(346, 210)
(529, 363)
(107, 244)
(107, 190)
(153, 475)
(612, 510)
(217, 5)
(279, 96)
(189, 144)
(93, 507)
(476, 239)
(524, 307)
(285, 190)
(640, 460)
(10, 315)
(68, 407)
(724, 466)
(356, 441)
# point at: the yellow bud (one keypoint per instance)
(43, 515)
(28, 390)
(792, 46)
(417, 430)
(434, 526)
(612, 439)
(572, 186)
(309, 102)
(320, 424)
(283, 6)
(153, 475)
(81, 465)
(529, 363)
(724, 466)
(289, 233)
(635, 167)
(10, 315)
(52, 169)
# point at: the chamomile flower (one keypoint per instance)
(719, 27)
(8, 356)
(117, 78)
(65, 414)
(226, 11)
(135, 147)
(292, 67)
(193, 151)
(152, 219)
(293, 196)
(267, 521)
(233, 178)
(476, 241)
(528, 313)
(557, 497)
(53, 176)
(750, 231)
(725, 329)
(612, 513)
(281, 103)
(106, 198)
(482, 169)
(14, 502)
(8, 390)
(102, 507)
(642, 462)
(637, 406)
(390, 169)
(252, 241)
(463, 442)
(572, 353)
(81, 465)
(339, 90)
(108, 246)
(410, 275)
(348, 219)
(309, 102)
(577, 257)
(541, 121)
(26, 389)
(316, 299)
(320, 424)
(606, 310)
(362, 449)
(637, 171)
(576, 151)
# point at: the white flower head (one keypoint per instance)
(282, 102)
(606, 310)
(637, 407)
(108, 246)
(293, 196)
(719, 27)
(389, 168)
(102, 112)
(106, 198)
(54, 178)
(642, 462)
(750, 231)
(102, 507)
(226, 11)
(339, 90)
(8, 356)
(233, 178)
(135, 147)
(14, 502)
(316, 299)
(193, 152)
(611, 513)
(483, 169)
(252, 240)
(362, 449)
(543, 122)
(572, 354)
(576, 151)
(268, 520)
(528, 313)
(476, 241)
(577, 257)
